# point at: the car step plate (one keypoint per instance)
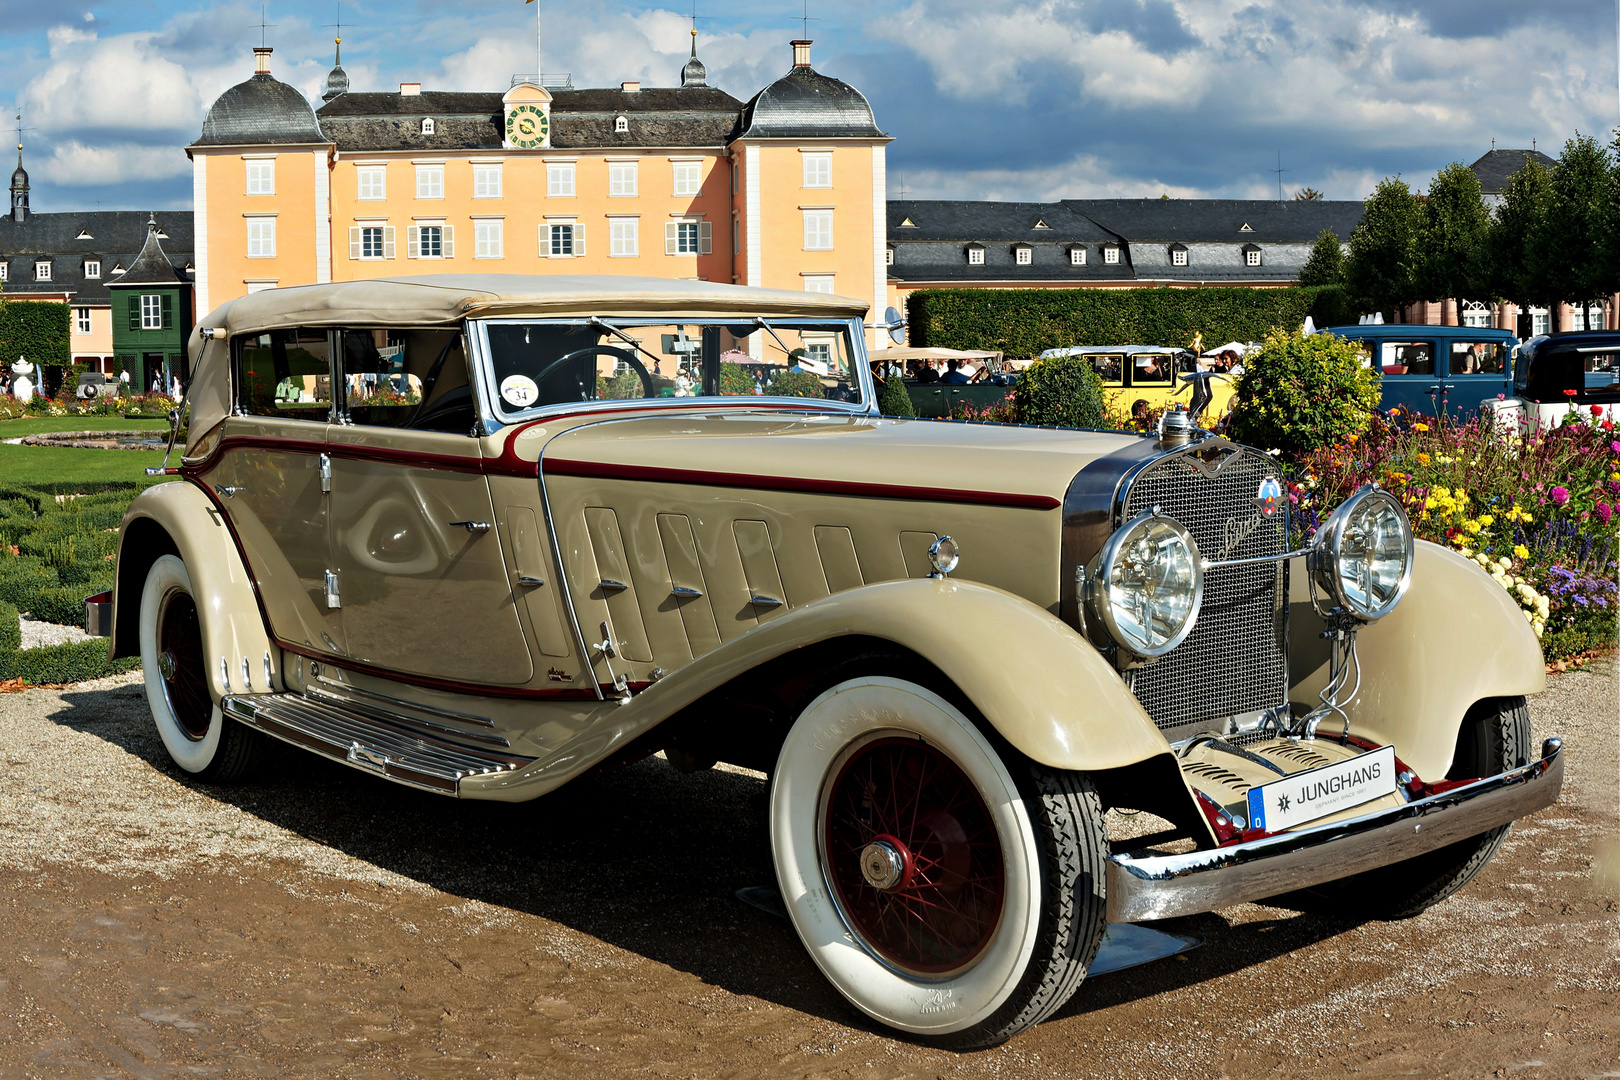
(1316, 793)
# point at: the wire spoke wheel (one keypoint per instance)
(913, 856)
(180, 663)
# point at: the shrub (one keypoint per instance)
(796, 384)
(735, 380)
(1063, 391)
(22, 578)
(74, 662)
(10, 628)
(894, 399)
(65, 605)
(1299, 393)
(38, 331)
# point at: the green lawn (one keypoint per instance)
(34, 425)
(52, 464)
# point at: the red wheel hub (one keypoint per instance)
(912, 854)
(180, 665)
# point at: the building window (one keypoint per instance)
(736, 234)
(488, 240)
(562, 240)
(261, 177)
(1178, 256)
(430, 181)
(818, 283)
(622, 178)
(817, 170)
(688, 238)
(429, 242)
(486, 181)
(1251, 257)
(1077, 256)
(151, 312)
(5, 272)
(92, 268)
(620, 125)
(42, 271)
(261, 238)
(372, 179)
(1111, 255)
(1023, 256)
(818, 234)
(427, 125)
(623, 238)
(688, 177)
(975, 256)
(560, 181)
(84, 320)
(888, 256)
(371, 242)
(260, 286)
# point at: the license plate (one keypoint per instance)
(1316, 793)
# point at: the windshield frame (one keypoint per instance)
(491, 406)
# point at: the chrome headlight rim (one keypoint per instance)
(1101, 571)
(1327, 555)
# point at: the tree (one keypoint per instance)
(1379, 269)
(1609, 257)
(1325, 264)
(1566, 253)
(1517, 223)
(1449, 260)
(1308, 194)
(1299, 393)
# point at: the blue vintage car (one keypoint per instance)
(1425, 366)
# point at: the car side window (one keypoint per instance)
(1151, 369)
(1109, 369)
(1478, 358)
(1408, 358)
(285, 373)
(414, 379)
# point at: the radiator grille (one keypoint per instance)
(1233, 661)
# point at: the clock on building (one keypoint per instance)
(526, 126)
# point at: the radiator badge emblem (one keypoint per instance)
(1269, 497)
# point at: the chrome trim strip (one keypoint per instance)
(358, 691)
(371, 713)
(1143, 886)
(1284, 556)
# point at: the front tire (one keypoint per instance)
(937, 891)
(198, 737)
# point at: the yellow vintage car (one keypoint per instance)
(453, 532)
(1150, 373)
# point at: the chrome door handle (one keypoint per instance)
(471, 526)
(229, 491)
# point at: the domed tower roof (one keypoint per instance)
(804, 104)
(694, 73)
(337, 80)
(259, 111)
(19, 179)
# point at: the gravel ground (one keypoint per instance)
(323, 923)
(36, 633)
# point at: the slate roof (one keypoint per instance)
(963, 220)
(151, 266)
(805, 104)
(1496, 168)
(116, 237)
(1221, 220)
(262, 110)
(580, 119)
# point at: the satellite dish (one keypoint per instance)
(897, 325)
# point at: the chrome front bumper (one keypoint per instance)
(1145, 887)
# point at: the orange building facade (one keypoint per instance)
(784, 191)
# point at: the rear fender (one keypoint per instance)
(178, 519)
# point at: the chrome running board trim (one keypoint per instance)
(330, 684)
(1143, 886)
(378, 746)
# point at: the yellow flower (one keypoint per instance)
(1420, 427)
(1423, 459)
(1486, 520)
(1521, 552)
(1472, 526)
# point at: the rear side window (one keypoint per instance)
(1407, 357)
(285, 373)
(405, 379)
(1478, 358)
(1152, 369)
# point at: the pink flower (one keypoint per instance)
(1560, 496)
(1615, 446)
(1604, 512)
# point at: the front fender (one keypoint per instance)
(178, 519)
(1455, 638)
(1040, 685)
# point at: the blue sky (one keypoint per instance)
(1021, 99)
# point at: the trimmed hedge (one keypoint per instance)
(36, 331)
(69, 663)
(1024, 322)
(894, 399)
(10, 629)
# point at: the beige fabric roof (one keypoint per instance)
(448, 298)
(908, 353)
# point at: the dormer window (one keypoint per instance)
(118, 268)
(888, 256)
(1040, 224)
(1178, 255)
(907, 223)
(84, 234)
(161, 234)
(42, 271)
(1111, 254)
(1251, 255)
(621, 126)
(975, 254)
(92, 268)
(1077, 256)
(427, 125)
(1023, 254)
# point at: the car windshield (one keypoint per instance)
(538, 362)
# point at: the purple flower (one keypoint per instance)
(1615, 446)
(1614, 487)
(1560, 496)
(1604, 512)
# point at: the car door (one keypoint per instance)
(268, 478)
(1411, 373)
(420, 575)
(1476, 370)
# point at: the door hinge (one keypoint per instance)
(326, 472)
(332, 600)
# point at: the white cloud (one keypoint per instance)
(1084, 177)
(73, 164)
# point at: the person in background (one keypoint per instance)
(927, 373)
(953, 373)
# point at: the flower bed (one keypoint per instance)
(1538, 512)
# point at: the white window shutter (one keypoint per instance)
(579, 239)
(448, 243)
(672, 232)
(545, 240)
(388, 241)
(413, 242)
(354, 241)
(705, 238)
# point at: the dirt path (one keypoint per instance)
(332, 925)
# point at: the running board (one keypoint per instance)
(368, 742)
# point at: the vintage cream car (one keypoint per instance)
(481, 535)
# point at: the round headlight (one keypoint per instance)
(1362, 560)
(1147, 584)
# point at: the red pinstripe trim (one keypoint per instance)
(449, 462)
(655, 474)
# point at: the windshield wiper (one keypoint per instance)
(621, 335)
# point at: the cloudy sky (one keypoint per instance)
(997, 99)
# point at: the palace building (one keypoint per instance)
(786, 190)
